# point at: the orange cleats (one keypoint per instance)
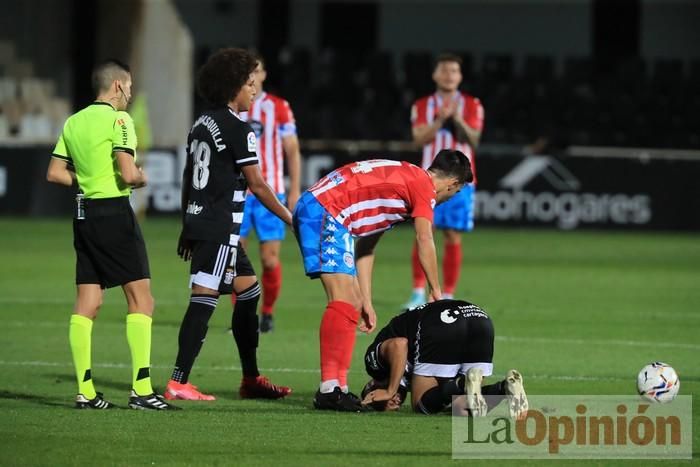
(261, 388)
(185, 392)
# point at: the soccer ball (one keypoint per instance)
(658, 382)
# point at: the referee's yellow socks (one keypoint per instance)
(138, 334)
(80, 337)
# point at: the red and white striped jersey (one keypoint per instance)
(425, 110)
(370, 196)
(272, 119)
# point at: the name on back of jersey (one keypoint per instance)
(211, 126)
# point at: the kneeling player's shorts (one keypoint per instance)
(457, 213)
(325, 244)
(214, 265)
(109, 246)
(447, 345)
(268, 227)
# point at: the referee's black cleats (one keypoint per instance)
(97, 403)
(338, 401)
(150, 402)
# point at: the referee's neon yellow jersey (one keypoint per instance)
(89, 140)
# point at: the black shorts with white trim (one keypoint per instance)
(215, 265)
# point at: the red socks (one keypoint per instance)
(271, 285)
(451, 266)
(337, 336)
(418, 275)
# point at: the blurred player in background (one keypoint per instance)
(363, 199)
(273, 122)
(97, 149)
(447, 119)
(222, 164)
(439, 350)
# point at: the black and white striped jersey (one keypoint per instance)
(214, 188)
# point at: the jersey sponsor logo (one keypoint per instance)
(348, 260)
(331, 228)
(331, 251)
(252, 142)
(120, 122)
(194, 208)
(331, 263)
(449, 316)
(330, 239)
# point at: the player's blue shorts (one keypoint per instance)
(325, 244)
(268, 227)
(458, 212)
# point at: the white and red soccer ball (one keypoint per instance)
(658, 382)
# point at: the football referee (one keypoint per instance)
(97, 149)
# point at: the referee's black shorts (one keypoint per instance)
(109, 246)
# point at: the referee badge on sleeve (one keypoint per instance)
(252, 142)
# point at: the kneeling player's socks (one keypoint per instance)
(244, 323)
(138, 334)
(417, 270)
(436, 399)
(80, 337)
(337, 339)
(494, 393)
(193, 331)
(271, 285)
(451, 267)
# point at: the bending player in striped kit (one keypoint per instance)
(363, 199)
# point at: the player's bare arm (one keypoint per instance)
(290, 144)
(364, 262)
(59, 172)
(394, 351)
(427, 255)
(262, 190)
(130, 172)
(424, 134)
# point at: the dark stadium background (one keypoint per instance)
(607, 90)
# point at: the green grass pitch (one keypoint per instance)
(576, 313)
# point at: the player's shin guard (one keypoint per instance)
(244, 323)
(416, 269)
(337, 338)
(193, 331)
(271, 285)
(451, 267)
(80, 337)
(138, 334)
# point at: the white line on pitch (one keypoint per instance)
(524, 339)
(283, 370)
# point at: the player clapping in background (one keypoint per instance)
(447, 119)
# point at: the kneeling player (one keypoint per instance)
(443, 349)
